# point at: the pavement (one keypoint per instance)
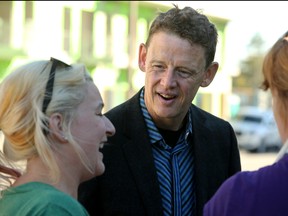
(253, 161)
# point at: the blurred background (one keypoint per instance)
(105, 36)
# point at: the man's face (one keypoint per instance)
(174, 72)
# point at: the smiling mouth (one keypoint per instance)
(166, 97)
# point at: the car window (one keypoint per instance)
(248, 118)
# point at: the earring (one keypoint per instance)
(64, 137)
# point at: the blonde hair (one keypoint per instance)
(275, 71)
(8, 172)
(22, 120)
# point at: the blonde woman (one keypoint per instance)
(51, 117)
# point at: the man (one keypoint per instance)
(168, 157)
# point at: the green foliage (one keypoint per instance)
(123, 76)
(4, 63)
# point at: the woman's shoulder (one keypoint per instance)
(242, 192)
(37, 198)
(261, 178)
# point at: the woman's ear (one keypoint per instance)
(209, 74)
(56, 129)
(142, 57)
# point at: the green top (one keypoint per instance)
(39, 199)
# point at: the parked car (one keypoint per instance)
(256, 129)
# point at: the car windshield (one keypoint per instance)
(247, 118)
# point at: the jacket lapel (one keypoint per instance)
(201, 134)
(138, 153)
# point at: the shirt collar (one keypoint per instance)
(154, 137)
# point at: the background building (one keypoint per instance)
(104, 35)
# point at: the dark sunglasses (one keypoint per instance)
(50, 83)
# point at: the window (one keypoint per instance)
(5, 21)
(28, 11)
(67, 29)
(87, 34)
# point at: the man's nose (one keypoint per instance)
(168, 80)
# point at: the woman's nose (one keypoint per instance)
(110, 129)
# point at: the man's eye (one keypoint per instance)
(184, 74)
(157, 66)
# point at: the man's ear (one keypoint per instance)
(210, 74)
(56, 129)
(142, 56)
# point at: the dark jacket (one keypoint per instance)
(129, 185)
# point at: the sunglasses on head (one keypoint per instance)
(50, 83)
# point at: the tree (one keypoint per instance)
(247, 84)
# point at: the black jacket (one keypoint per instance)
(129, 185)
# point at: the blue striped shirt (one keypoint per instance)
(175, 167)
